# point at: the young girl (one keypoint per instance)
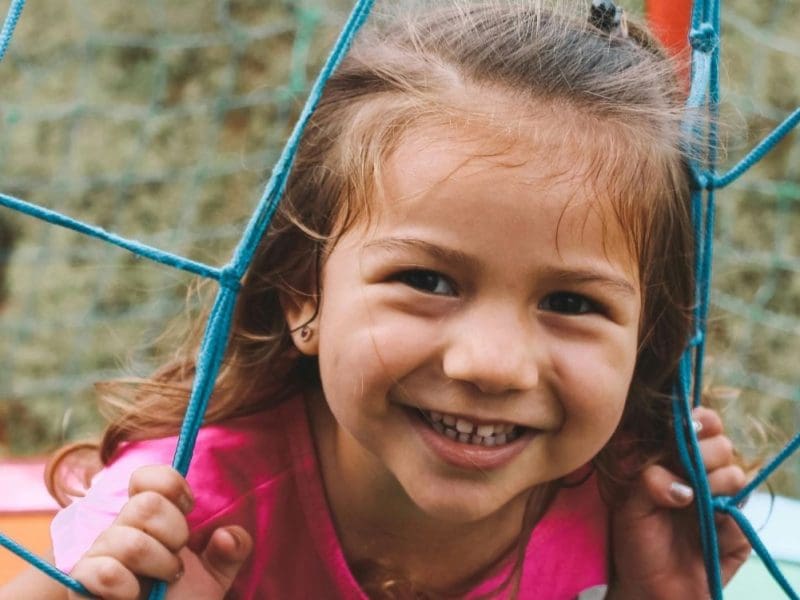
(450, 369)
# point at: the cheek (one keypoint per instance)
(364, 361)
(402, 344)
(595, 384)
(360, 351)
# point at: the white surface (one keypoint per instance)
(778, 526)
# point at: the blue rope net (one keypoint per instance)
(228, 277)
(704, 93)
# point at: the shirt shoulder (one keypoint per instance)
(237, 458)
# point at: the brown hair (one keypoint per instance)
(396, 76)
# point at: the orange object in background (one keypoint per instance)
(670, 20)
(26, 510)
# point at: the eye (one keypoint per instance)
(430, 282)
(568, 303)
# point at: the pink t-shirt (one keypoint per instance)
(261, 472)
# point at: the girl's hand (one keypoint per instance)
(148, 540)
(655, 536)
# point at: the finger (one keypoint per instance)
(717, 452)
(708, 420)
(141, 554)
(225, 554)
(734, 547)
(165, 481)
(107, 578)
(156, 516)
(727, 481)
(664, 489)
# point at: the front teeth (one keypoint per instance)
(464, 431)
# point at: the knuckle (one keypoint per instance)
(171, 478)
(109, 573)
(738, 478)
(138, 480)
(654, 478)
(148, 504)
(727, 445)
(182, 533)
(177, 537)
(149, 476)
(135, 547)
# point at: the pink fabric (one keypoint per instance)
(261, 472)
(26, 492)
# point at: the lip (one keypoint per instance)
(467, 456)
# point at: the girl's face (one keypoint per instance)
(478, 337)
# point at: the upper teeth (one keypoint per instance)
(464, 426)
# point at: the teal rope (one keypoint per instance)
(761, 550)
(768, 469)
(215, 339)
(705, 56)
(154, 254)
(9, 24)
(704, 91)
(757, 153)
(255, 229)
(44, 566)
(218, 327)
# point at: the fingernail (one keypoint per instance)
(236, 542)
(697, 426)
(680, 492)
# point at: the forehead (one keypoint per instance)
(535, 163)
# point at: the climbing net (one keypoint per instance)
(194, 98)
(705, 75)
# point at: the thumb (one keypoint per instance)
(225, 554)
(658, 488)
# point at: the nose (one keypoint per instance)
(493, 349)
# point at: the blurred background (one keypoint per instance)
(159, 120)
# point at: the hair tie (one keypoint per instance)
(609, 18)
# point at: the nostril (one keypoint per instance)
(502, 381)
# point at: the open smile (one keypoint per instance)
(465, 431)
(469, 445)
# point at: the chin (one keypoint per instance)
(457, 512)
(458, 505)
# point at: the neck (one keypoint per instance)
(378, 523)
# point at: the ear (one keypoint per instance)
(300, 312)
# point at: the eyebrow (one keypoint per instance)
(575, 276)
(591, 276)
(448, 255)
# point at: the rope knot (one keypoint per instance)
(229, 279)
(704, 38)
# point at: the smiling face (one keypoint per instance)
(478, 337)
